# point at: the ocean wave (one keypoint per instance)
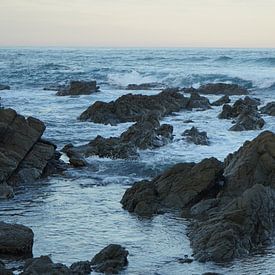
(266, 61)
(53, 66)
(223, 58)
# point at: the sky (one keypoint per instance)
(138, 23)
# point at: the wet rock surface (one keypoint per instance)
(219, 88)
(131, 107)
(111, 259)
(268, 109)
(146, 133)
(193, 135)
(198, 102)
(16, 240)
(221, 101)
(6, 191)
(78, 88)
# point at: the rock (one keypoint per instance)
(248, 119)
(130, 107)
(188, 121)
(81, 268)
(4, 87)
(244, 224)
(16, 239)
(43, 265)
(23, 154)
(79, 88)
(111, 259)
(185, 260)
(75, 158)
(269, 109)
(221, 101)
(144, 86)
(241, 218)
(3, 270)
(219, 88)
(6, 191)
(194, 136)
(147, 133)
(198, 102)
(179, 187)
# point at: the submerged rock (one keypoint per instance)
(16, 240)
(269, 109)
(111, 259)
(147, 133)
(78, 88)
(131, 107)
(194, 136)
(219, 88)
(181, 186)
(4, 87)
(221, 101)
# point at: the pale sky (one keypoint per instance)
(134, 23)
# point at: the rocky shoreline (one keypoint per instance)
(230, 203)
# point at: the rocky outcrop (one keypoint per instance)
(198, 102)
(145, 134)
(78, 88)
(219, 88)
(6, 191)
(24, 155)
(110, 260)
(221, 101)
(179, 187)
(81, 268)
(16, 240)
(4, 87)
(195, 136)
(144, 86)
(132, 107)
(241, 218)
(269, 109)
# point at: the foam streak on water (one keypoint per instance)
(74, 216)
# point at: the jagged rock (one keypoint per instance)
(4, 87)
(248, 119)
(241, 217)
(3, 270)
(194, 136)
(6, 191)
(241, 226)
(111, 259)
(197, 101)
(75, 158)
(81, 268)
(144, 86)
(221, 101)
(179, 187)
(219, 88)
(16, 239)
(146, 133)
(269, 109)
(23, 154)
(132, 107)
(43, 265)
(78, 88)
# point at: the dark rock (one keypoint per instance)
(194, 136)
(181, 186)
(23, 154)
(241, 218)
(4, 87)
(248, 119)
(132, 107)
(199, 102)
(78, 88)
(111, 259)
(6, 191)
(81, 268)
(144, 86)
(4, 271)
(269, 109)
(185, 260)
(219, 88)
(188, 121)
(75, 158)
(147, 133)
(43, 265)
(16, 240)
(221, 101)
